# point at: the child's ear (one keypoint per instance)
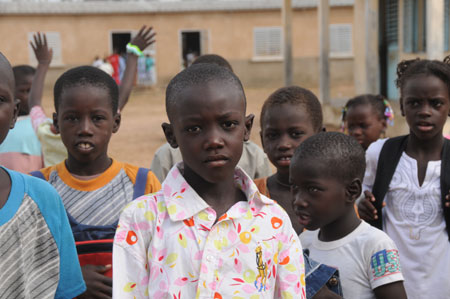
(55, 122)
(248, 126)
(117, 119)
(353, 190)
(170, 136)
(15, 113)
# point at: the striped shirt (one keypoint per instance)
(100, 200)
(37, 251)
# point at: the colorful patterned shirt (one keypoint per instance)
(169, 245)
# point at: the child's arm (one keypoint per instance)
(142, 40)
(44, 57)
(393, 290)
(366, 209)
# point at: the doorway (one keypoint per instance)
(119, 42)
(193, 44)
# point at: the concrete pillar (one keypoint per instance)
(287, 38)
(365, 46)
(435, 29)
(324, 51)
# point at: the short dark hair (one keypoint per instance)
(375, 100)
(21, 71)
(199, 74)
(407, 69)
(295, 95)
(9, 74)
(86, 76)
(343, 156)
(215, 59)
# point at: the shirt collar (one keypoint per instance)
(183, 202)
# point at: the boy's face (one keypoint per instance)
(22, 93)
(9, 106)
(209, 126)
(284, 128)
(85, 120)
(319, 198)
(426, 105)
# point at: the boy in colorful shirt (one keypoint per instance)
(37, 252)
(326, 173)
(208, 233)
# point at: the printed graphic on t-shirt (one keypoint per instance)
(385, 263)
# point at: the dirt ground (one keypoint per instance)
(140, 133)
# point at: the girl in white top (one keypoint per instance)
(413, 215)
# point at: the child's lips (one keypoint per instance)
(216, 160)
(425, 127)
(84, 147)
(304, 219)
(284, 160)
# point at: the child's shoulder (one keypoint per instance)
(141, 175)
(374, 149)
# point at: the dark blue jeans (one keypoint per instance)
(317, 275)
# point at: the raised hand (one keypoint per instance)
(144, 38)
(41, 50)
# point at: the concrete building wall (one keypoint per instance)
(230, 35)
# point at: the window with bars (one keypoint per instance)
(414, 26)
(267, 42)
(341, 40)
(54, 42)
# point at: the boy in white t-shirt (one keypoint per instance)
(326, 173)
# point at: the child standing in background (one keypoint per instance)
(94, 188)
(21, 150)
(288, 117)
(37, 252)
(410, 175)
(208, 233)
(366, 118)
(326, 173)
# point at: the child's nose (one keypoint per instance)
(299, 201)
(85, 127)
(285, 143)
(213, 140)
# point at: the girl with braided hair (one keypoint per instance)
(411, 176)
(366, 117)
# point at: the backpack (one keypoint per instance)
(388, 160)
(94, 243)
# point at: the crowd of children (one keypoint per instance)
(85, 225)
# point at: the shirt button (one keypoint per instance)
(333, 281)
(211, 217)
(209, 258)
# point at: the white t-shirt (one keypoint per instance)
(414, 219)
(366, 259)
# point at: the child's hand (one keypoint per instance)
(97, 284)
(43, 54)
(366, 209)
(144, 38)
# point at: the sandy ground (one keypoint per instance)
(140, 133)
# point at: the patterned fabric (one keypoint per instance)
(168, 245)
(37, 251)
(97, 201)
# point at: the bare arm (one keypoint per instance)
(44, 57)
(143, 39)
(394, 290)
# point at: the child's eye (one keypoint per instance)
(193, 129)
(312, 189)
(98, 118)
(296, 134)
(271, 135)
(71, 118)
(436, 103)
(229, 124)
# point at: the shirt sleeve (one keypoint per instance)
(130, 271)
(153, 184)
(372, 154)
(384, 262)
(290, 275)
(71, 283)
(38, 117)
